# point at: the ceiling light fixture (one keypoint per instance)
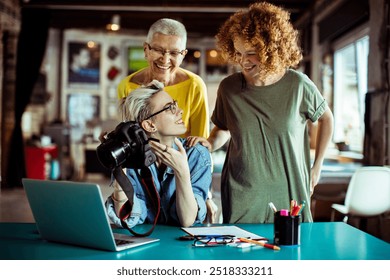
(114, 25)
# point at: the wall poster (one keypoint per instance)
(83, 65)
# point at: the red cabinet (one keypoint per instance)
(38, 161)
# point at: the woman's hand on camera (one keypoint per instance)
(103, 136)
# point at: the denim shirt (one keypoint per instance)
(199, 162)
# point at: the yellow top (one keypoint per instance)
(191, 96)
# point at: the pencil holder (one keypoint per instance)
(287, 229)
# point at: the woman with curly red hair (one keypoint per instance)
(263, 110)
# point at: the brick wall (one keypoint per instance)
(9, 30)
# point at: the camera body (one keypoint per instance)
(126, 146)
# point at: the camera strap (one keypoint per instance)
(150, 188)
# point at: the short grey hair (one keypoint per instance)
(168, 26)
(136, 106)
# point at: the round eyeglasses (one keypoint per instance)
(171, 106)
(162, 52)
(204, 240)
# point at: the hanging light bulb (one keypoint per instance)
(114, 25)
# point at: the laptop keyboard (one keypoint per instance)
(119, 242)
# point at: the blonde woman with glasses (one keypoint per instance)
(181, 175)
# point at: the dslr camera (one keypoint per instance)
(126, 146)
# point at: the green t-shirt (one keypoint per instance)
(268, 158)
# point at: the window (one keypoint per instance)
(350, 88)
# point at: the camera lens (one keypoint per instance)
(112, 154)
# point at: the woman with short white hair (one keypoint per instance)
(181, 175)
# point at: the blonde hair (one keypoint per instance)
(136, 106)
(268, 29)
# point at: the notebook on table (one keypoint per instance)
(74, 213)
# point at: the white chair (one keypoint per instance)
(368, 195)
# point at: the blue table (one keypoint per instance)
(319, 241)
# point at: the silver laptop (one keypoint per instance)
(74, 213)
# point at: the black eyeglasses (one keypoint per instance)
(162, 52)
(204, 240)
(171, 106)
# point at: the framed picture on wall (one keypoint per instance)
(136, 59)
(83, 110)
(83, 64)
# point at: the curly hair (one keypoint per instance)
(268, 29)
